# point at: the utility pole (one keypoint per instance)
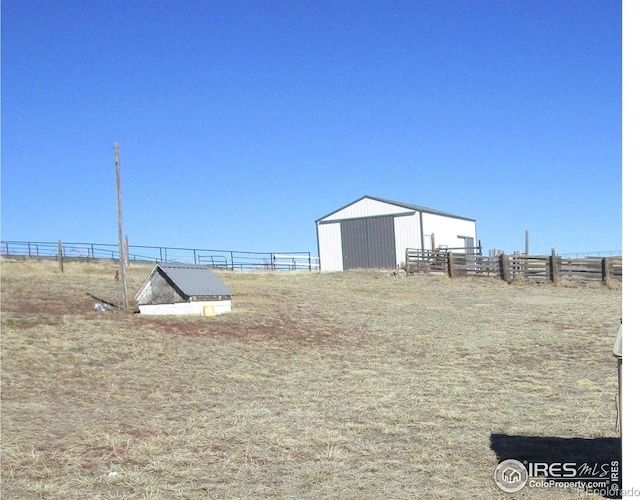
(123, 276)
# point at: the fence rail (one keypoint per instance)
(537, 268)
(223, 259)
(451, 261)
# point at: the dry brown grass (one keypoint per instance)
(337, 385)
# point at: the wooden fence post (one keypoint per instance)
(451, 263)
(504, 265)
(406, 261)
(60, 256)
(606, 269)
(554, 267)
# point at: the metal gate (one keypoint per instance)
(368, 243)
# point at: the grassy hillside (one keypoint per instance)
(337, 385)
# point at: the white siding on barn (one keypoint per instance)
(366, 208)
(407, 235)
(330, 246)
(446, 230)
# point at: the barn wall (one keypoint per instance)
(407, 235)
(330, 247)
(447, 230)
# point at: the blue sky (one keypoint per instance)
(242, 122)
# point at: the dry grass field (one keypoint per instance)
(334, 385)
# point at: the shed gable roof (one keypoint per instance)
(192, 279)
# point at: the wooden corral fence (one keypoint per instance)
(536, 268)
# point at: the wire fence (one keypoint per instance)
(599, 253)
(224, 259)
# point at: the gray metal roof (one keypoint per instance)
(410, 206)
(419, 208)
(194, 280)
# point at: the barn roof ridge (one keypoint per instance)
(411, 206)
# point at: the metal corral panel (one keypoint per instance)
(368, 243)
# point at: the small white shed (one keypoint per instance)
(375, 233)
(183, 289)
